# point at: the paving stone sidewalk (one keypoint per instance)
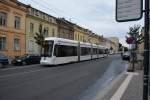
(134, 90)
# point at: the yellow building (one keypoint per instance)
(12, 27)
(65, 29)
(34, 19)
(115, 43)
(85, 35)
(81, 34)
(95, 39)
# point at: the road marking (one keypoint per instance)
(101, 94)
(19, 67)
(123, 87)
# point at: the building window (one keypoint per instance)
(50, 19)
(31, 27)
(31, 46)
(83, 39)
(37, 13)
(17, 22)
(32, 11)
(46, 32)
(2, 43)
(53, 32)
(3, 19)
(44, 16)
(16, 44)
(75, 37)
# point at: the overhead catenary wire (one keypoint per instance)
(61, 13)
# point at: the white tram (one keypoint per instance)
(60, 51)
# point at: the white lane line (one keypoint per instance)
(20, 67)
(123, 87)
(22, 73)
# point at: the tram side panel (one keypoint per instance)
(65, 54)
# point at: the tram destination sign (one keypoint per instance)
(128, 10)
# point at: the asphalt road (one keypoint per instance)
(63, 82)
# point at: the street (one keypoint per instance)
(75, 81)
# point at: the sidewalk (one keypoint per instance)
(128, 86)
(134, 90)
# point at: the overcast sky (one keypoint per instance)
(96, 15)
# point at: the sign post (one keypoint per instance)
(132, 10)
(146, 51)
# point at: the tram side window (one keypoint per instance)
(100, 51)
(106, 51)
(94, 51)
(85, 51)
(65, 51)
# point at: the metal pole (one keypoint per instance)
(133, 60)
(146, 52)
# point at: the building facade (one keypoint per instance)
(85, 35)
(115, 41)
(34, 19)
(12, 28)
(141, 46)
(65, 29)
(81, 34)
(95, 39)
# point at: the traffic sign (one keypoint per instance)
(130, 40)
(128, 10)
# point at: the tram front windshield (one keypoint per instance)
(48, 48)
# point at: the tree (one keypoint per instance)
(134, 34)
(120, 47)
(134, 30)
(39, 38)
(125, 49)
(111, 48)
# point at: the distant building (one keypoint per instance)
(12, 28)
(34, 19)
(110, 45)
(115, 40)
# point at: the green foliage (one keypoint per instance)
(120, 47)
(39, 37)
(111, 48)
(125, 49)
(140, 39)
(134, 30)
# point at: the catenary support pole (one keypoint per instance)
(146, 52)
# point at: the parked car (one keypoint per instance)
(26, 59)
(126, 56)
(3, 59)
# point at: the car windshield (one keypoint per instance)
(48, 48)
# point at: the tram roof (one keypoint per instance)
(71, 41)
